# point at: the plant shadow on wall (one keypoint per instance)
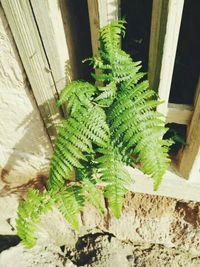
(27, 161)
(105, 126)
(27, 165)
(25, 149)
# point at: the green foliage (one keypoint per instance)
(84, 128)
(29, 214)
(70, 202)
(107, 127)
(116, 177)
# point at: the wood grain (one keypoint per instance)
(157, 37)
(24, 29)
(101, 12)
(179, 113)
(175, 9)
(189, 153)
(49, 21)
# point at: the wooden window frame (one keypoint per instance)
(165, 27)
(188, 157)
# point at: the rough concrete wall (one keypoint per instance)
(25, 148)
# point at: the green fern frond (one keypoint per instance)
(135, 122)
(115, 175)
(75, 94)
(107, 96)
(89, 182)
(29, 214)
(76, 136)
(106, 126)
(122, 66)
(132, 115)
(93, 194)
(110, 35)
(70, 202)
(97, 63)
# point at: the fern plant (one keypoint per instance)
(108, 128)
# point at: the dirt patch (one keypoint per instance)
(105, 250)
(189, 212)
(99, 250)
(152, 231)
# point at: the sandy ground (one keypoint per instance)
(98, 250)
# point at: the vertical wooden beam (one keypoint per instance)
(175, 9)
(197, 91)
(108, 11)
(24, 29)
(50, 25)
(71, 68)
(189, 155)
(157, 37)
(195, 171)
(93, 10)
(101, 12)
(165, 27)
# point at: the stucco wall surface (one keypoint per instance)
(25, 148)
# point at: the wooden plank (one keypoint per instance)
(175, 9)
(101, 12)
(157, 37)
(179, 113)
(93, 10)
(25, 32)
(197, 91)
(71, 67)
(189, 153)
(108, 11)
(49, 20)
(195, 171)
